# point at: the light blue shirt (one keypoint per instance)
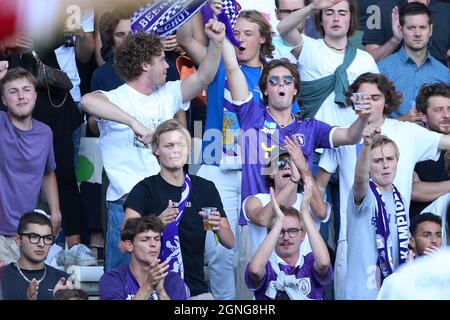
(408, 77)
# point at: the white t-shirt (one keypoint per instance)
(258, 233)
(415, 144)
(66, 56)
(317, 61)
(125, 159)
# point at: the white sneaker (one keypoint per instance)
(79, 255)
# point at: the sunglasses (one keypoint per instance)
(283, 162)
(274, 80)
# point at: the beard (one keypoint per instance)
(19, 116)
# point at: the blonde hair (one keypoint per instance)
(166, 126)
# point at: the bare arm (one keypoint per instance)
(181, 117)
(222, 228)
(237, 84)
(352, 134)
(361, 182)
(429, 191)
(84, 46)
(189, 38)
(257, 264)
(288, 27)
(50, 188)
(322, 179)
(98, 105)
(318, 246)
(444, 142)
(379, 52)
(206, 72)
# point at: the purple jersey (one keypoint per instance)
(261, 134)
(310, 284)
(120, 284)
(25, 156)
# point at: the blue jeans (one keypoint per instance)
(114, 257)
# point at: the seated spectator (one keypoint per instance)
(145, 278)
(278, 271)
(30, 278)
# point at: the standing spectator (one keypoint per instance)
(327, 66)
(138, 107)
(412, 66)
(27, 161)
(144, 278)
(378, 222)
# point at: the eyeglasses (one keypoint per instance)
(274, 80)
(35, 238)
(292, 232)
(287, 11)
(283, 162)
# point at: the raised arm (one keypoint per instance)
(318, 246)
(237, 84)
(361, 182)
(98, 105)
(257, 264)
(206, 72)
(190, 40)
(379, 52)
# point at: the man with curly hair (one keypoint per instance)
(129, 114)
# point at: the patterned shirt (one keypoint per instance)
(408, 77)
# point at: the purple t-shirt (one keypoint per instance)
(120, 284)
(261, 133)
(310, 283)
(24, 158)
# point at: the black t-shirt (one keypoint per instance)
(429, 171)
(440, 39)
(151, 196)
(14, 286)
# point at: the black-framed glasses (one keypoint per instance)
(292, 232)
(287, 11)
(283, 162)
(35, 238)
(275, 80)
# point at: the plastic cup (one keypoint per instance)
(206, 214)
(358, 102)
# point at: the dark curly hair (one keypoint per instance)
(427, 91)
(138, 48)
(265, 31)
(109, 21)
(285, 63)
(393, 99)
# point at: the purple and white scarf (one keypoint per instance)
(164, 17)
(170, 241)
(383, 237)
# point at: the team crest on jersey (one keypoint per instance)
(304, 285)
(300, 138)
(269, 127)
